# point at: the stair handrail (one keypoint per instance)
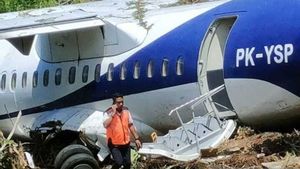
(210, 94)
(198, 99)
(224, 107)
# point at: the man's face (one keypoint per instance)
(119, 103)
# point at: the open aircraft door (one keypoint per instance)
(210, 63)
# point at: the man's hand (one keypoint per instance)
(138, 143)
(114, 110)
(111, 112)
(114, 107)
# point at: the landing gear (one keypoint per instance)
(80, 161)
(75, 156)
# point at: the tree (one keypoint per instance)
(18, 5)
(191, 1)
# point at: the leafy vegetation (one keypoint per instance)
(183, 2)
(190, 1)
(139, 13)
(11, 154)
(18, 5)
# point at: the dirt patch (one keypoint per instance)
(247, 149)
(250, 149)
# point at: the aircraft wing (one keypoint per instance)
(48, 23)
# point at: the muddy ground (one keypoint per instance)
(246, 149)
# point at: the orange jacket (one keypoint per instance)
(118, 129)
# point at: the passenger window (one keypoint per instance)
(46, 78)
(165, 65)
(58, 76)
(3, 82)
(72, 74)
(24, 80)
(85, 74)
(110, 72)
(13, 81)
(179, 66)
(137, 68)
(97, 73)
(35, 79)
(150, 69)
(123, 71)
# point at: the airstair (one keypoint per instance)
(202, 132)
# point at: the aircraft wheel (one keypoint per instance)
(68, 151)
(80, 161)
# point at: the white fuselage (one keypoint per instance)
(43, 75)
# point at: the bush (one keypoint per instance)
(191, 1)
(11, 154)
(18, 5)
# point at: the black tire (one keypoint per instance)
(80, 161)
(68, 151)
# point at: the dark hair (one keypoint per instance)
(115, 96)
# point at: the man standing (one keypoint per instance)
(118, 123)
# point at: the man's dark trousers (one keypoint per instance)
(121, 155)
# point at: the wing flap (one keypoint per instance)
(48, 23)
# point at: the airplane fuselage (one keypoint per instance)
(256, 58)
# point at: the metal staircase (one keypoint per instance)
(202, 132)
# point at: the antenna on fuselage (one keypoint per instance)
(8, 114)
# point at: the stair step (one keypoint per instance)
(209, 121)
(227, 115)
(202, 132)
(187, 152)
(173, 140)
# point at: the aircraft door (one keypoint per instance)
(210, 62)
(71, 45)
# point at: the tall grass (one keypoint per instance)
(19, 5)
(11, 154)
